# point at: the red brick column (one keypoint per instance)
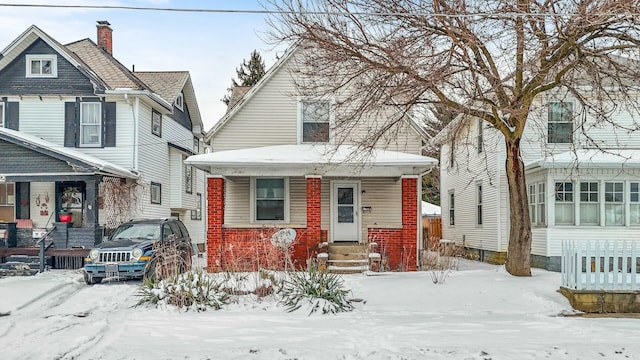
(409, 222)
(215, 219)
(314, 199)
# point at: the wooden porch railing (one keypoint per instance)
(601, 265)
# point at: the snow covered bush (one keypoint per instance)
(190, 291)
(317, 290)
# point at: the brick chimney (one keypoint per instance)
(104, 36)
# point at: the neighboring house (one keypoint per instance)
(86, 136)
(576, 192)
(277, 161)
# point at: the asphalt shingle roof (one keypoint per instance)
(167, 84)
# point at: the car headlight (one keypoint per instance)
(93, 254)
(136, 253)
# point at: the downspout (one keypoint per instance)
(136, 124)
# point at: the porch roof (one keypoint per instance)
(312, 159)
(589, 158)
(84, 163)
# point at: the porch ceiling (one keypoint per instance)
(307, 159)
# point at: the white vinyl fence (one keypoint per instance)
(600, 265)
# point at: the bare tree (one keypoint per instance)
(486, 59)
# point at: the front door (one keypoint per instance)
(345, 212)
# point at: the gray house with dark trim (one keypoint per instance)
(82, 135)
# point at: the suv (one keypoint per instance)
(128, 253)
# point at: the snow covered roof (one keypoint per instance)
(92, 162)
(307, 159)
(429, 209)
(589, 158)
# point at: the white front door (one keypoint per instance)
(345, 212)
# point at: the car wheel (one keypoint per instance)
(150, 270)
(91, 280)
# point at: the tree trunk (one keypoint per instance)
(519, 250)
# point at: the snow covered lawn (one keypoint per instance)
(480, 312)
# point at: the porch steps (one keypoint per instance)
(349, 258)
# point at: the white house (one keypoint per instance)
(72, 115)
(583, 180)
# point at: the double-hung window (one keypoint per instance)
(452, 210)
(197, 213)
(564, 203)
(42, 66)
(614, 203)
(479, 204)
(634, 203)
(188, 179)
(560, 123)
(156, 123)
(589, 204)
(480, 139)
(542, 218)
(270, 199)
(532, 203)
(316, 118)
(90, 124)
(2, 115)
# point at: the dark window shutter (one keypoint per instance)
(13, 115)
(109, 124)
(70, 125)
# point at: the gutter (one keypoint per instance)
(151, 95)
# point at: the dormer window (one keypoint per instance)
(42, 66)
(180, 101)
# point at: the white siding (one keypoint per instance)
(44, 119)
(470, 169)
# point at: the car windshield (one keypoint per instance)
(137, 232)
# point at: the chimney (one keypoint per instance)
(104, 36)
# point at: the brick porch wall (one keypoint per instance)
(215, 219)
(409, 222)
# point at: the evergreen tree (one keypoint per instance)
(248, 73)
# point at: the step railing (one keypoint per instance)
(600, 265)
(43, 246)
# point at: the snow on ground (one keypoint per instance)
(479, 313)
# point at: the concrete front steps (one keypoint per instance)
(347, 258)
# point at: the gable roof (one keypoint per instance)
(251, 92)
(169, 84)
(88, 162)
(110, 70)
(33, 33)
(246, 94)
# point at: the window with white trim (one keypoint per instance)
(270, 199)
(197, 213)
(2, 115)
(315, 121)
(634, 203)
(42, 66)
(589, 204)
(156, 123)
(614, 203)
(90, 124)
(452, 211)
(180, 101)
(196, 145)
(480, 139)
(156, 193)
(479, 203)
(564, 203)
(532, 203)
(541, 218)
(560, 122)
(188, 178)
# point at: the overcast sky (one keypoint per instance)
(208, 45)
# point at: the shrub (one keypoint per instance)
(189, 291)
(319, 290)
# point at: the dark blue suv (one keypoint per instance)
(129, 251)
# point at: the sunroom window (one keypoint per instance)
(589, 205)
(564, 203)
(614, 203)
